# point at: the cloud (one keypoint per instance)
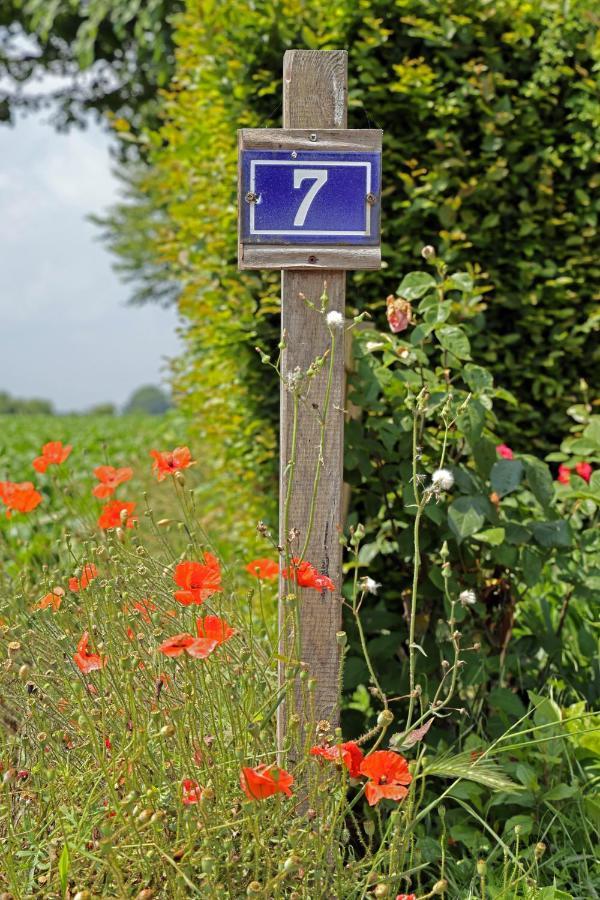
(65, 331)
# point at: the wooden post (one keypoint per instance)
(314, 96)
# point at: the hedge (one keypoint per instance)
(490, 114)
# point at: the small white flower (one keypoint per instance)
(467, 598)
(442, 480)
(370, 585)
(335, 319)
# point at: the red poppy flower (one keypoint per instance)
(387, 773)
(53, 599)
(85, 661)
(504, 451)
(214, 628)
(349, 754)
(564, 475)
(198, 580)
(191, 792)
(53, 454)
(169, 462)
(19, 496)
(88, 573)
(406, 897)
(307, 576)
(144, 608)
(263, 568)
(116, 513)
(199, 648)
(264, 781)
(110, 478)
(584, 470)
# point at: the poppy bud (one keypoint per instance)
(385, 718)
(144, 816)
(291, 864)
(481, 867)
(9, 776)
(167, 730)
(381, 890)
(145, 894)
(440, 886)
(540, 849)
(13, 648)
(180, 478)
(253, 888)
(24, 672)
(82, 895)
(369, 827)
(120, 534)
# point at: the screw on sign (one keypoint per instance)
(309, 204)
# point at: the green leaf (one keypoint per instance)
(493, 536)
(454, 340)
(539, 480)
(477, 378)
(561, 792)
(552, 534)
(415, 285)
(507, 701)
(63, 869)
(466, 516)
(460, 281)
(471, 421)
(506, 476)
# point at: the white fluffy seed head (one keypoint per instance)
(467, 598)
(369, 585)
(335, 319)
(442, 480)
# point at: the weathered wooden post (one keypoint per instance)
(309, 204)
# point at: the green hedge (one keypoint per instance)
(490, 115)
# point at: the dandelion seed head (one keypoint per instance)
(335, 319)
(442, 480)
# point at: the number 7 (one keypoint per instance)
(300, 175)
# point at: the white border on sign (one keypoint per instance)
(313, 163)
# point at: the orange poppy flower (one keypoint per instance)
(53, 599)
(85, 661)
(307, 576)
(53, 454)
(88, 573)
(19, 496)
(214, 628)
(349, 754)
(198, 648)
(169, 462)
(263, 781)
(191, 792)
(109, 478)
(198, 580)
(115, 512)
(263, 568)
(387, 773)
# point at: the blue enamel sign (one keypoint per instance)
(310, 197)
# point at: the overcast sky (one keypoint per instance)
(66, 333)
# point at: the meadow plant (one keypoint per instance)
(140, 692)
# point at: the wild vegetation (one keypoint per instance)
(140, 687)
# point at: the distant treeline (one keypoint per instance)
(147, 399)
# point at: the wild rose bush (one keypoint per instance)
(140, 696)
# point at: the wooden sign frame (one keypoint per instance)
(307, 256)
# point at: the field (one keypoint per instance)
(134, 743)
